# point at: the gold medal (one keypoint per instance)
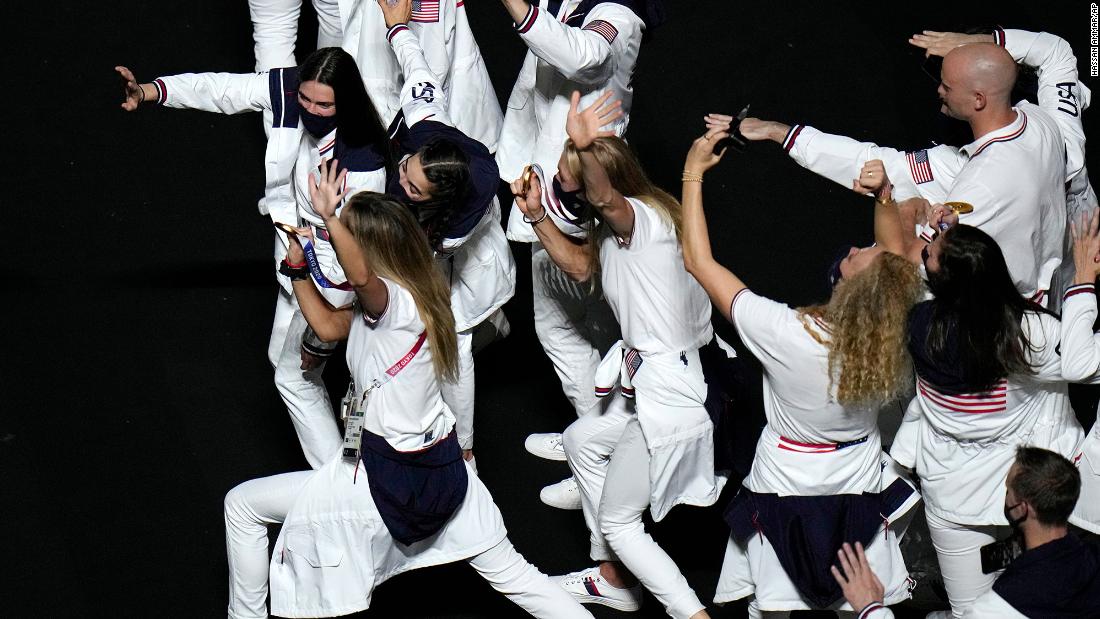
(959, 208)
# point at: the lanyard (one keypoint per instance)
(317, 273)
(396, 368)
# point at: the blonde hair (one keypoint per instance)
(867, 324)
(396, 248)
(626, 175)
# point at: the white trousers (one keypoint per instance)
(574, 325)
(610, 460)
(275, 29)
(958, 551)
(459, 395)
(303, 392)
(253, 505)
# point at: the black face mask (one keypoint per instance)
(570, 200)
(1014, 522)
(317, 126)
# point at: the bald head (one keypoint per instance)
(978, 79)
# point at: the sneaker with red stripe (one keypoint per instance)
(589, 587)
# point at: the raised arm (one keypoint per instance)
(228, 93)
(584, 128)
(571, 255)
(1080, 347)
(583, 54)
(422, 94)
(328, 323)
(1059, 91)
(719, 282)
(927, 173)
(326, 194)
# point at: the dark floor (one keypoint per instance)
(136, 387)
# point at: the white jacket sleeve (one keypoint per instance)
(584, 54)
(1059, 91)
(274, 29)
(1080, 347)
(437, 40)
(228, 93)
(422, 94)
(926, 173)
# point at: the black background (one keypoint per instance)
(139, 295)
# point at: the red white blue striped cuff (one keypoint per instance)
(792, 135)
(999, 36)
(870, 608)
(528, 20)
(396, 30)
(1079, 289)
(162, 91)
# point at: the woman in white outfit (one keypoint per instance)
(306, 126)
(820, 476)
(663, 455)
(975, 404)
(408, 499)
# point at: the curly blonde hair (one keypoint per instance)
(867, 324)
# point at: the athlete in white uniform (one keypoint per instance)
(589, 46)
(988, 171)
(347, 527)
(819, 465)
(304, 130)
(970, 413)
(665, 321)
(450, 180)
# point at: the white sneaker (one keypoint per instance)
(547, 445)
(939, 614)
(589, 587)
(563, 495)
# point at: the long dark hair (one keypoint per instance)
(357, 121)
(977, 313)
(447, 168)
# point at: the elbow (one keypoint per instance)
(579, 273)
(327, 333)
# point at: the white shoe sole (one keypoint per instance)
(585, 598)
(626, 607)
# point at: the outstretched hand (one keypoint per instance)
(940, 43)
(701, 157)
(132, 94)
(327, 193)
(584, 126)
(399, 12)
(1086, 247)
(857, 581)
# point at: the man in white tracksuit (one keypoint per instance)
(590, 46)
(1032, 243)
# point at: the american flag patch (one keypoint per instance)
(603, 28)
(994, 401)
(425, 11)
(919, 167)
(633, 362)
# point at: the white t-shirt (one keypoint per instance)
(659, 305)
(801, 407)
(408, 411)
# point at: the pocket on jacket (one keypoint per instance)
(313, 546)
